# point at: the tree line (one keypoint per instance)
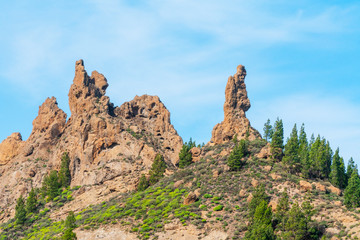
(313, 158)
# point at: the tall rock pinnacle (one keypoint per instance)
(86, 91)
(235, 106)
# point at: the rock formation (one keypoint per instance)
(9, 148)
(235, 106)
(109, 147)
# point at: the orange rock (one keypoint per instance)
(10, 147)
(195, 153)
(334, 190)
(273, 204)
(275, 176)
(250, 197)
(242, 193)
(305, 186)
(254, 182)
(235, 106)
(191, 198)
(265, 152)
(320, 187)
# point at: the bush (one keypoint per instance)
(218, 208)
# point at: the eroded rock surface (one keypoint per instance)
(236, 104)
(109, 147)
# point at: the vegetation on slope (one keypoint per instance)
(228, 179)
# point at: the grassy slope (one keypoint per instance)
(220, 205)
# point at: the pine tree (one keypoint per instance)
(64, 173)
(268, 130)
(304, 153)
(350, 169)
(291, 153)
(320, 158)
(31, 202)
(277, 141)
(352, 191)
(143, 183)
(20, 211)
(234, 160)
(296, 225)
(282, 210)
(185, 157)
(337, 175)
(157, 169)
(261, 225)
(259, 195)
(51, 185)
(70, 225)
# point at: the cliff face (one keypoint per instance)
(235, 106)
(109, 147)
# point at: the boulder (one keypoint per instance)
(334, 190)
(305, 186)
(195, 153)
(191, 198)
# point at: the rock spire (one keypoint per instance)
(235, 106)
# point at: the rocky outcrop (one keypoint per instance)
(305, 186)
(148, 116)
(195, 154)
(109, 147)
(236, 104)
(334, 190)
(9, 148)
(49, 123)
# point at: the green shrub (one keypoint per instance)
(218, 208)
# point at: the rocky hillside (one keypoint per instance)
(111, 147)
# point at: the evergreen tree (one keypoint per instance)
(261, 225)
(157, 169)
(185, 157)
(51, 185)
(296, 225)
(312, 140)
(143, 183)
(350, 169)
(277, 141)
(302, 136)
(259, 195)
(291, 153)
(304, 153)
(69, 227)
(352, 191)
(320, 158)
(31, 202)
(337, 175)
(64, 173)
(20, 211)
(268, 130)
(234, 160)
(282, 210)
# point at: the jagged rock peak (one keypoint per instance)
(149, 114)
(51, 120)
(235, 106)
(86, 91)
(10, 147)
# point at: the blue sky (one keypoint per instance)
(302, 59)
